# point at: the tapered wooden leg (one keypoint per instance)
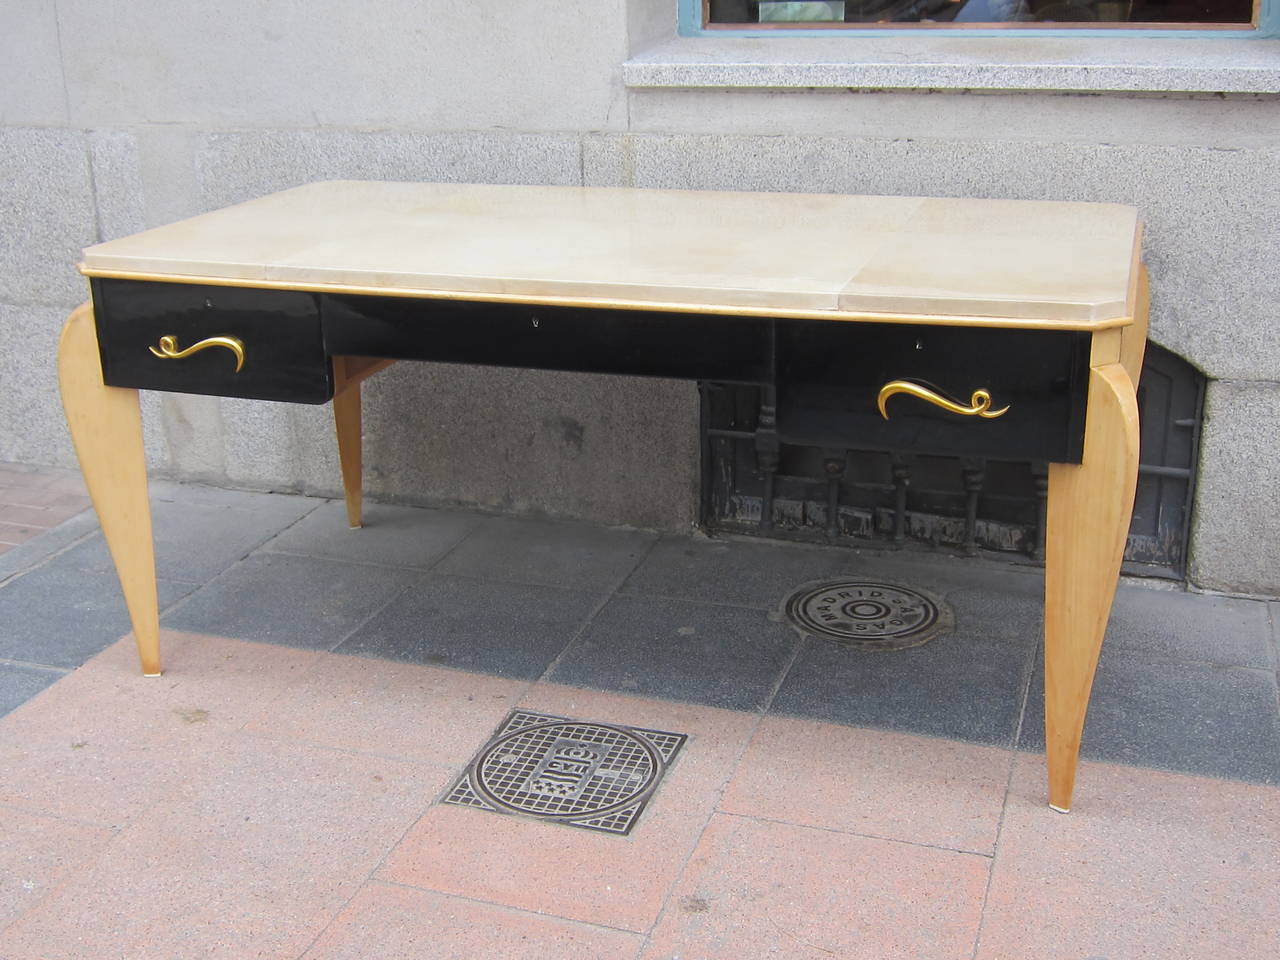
(1133, 338)
(1090, 506)
(106, 429)
(348, 374)
(346, 417)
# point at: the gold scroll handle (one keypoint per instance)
(168, 348)
(979, 403)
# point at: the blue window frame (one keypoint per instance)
(693, 16)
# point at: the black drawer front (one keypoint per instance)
(830, 375)
(633, 342)
(284, 357)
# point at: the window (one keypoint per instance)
(770, 16)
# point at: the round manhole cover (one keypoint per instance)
(866, 614)
(568, 769)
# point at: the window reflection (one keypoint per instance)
(782, 13)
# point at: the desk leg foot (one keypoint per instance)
(346, 418)
(106, 429)
(1090, 506)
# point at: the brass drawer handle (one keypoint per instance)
(979, 403)
(168, 348)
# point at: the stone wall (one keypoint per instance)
(116, 116)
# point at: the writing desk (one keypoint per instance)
(1006, 329)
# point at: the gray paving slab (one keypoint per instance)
(293, 601)
(209, 496)
(394, 536)
(680, 650)
(995, 614)
(957, 686)
(549, 553)
(1179, 715)
(945, 573)
(1171, 623)
(20, 682)
(199, 534)
(1187, 681)
(30, 554)
(744, 573)
(508, 629)
(61, 615)
(1273, 613)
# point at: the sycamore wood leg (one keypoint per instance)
(1090, 505)
(106, 429)
(348, 373)
(1133, 338)
(346, 418)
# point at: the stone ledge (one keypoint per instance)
(1023, 64)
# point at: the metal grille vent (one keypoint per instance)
(586, 774)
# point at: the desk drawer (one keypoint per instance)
(830, 376)
(637, 343)
(191, 339)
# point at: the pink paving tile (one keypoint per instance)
(570, 872)
(230, 680)
(390, 922)
(903, 787)
(44, 495)
(15, 533)
(396, 709)
(773, 890)
(41, 517)
(34, 499)
(1147, 864)
(16, 476)
(69, 503)
(104, 742)
(252, 857)
(20, 473)
(38, 853)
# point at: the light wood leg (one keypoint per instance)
(346, 417)
(1090, 506)
(1133, 338)
(106, 429)
(348, 374)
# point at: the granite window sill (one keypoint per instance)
(1182, 65)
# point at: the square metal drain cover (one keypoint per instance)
(586, 774)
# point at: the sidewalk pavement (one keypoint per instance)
(34, 500)
(277, 792)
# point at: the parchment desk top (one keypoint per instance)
(1019, 263)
